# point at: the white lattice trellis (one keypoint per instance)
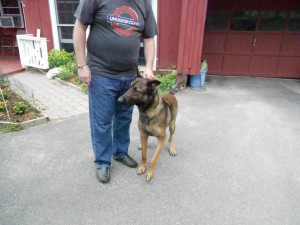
(33, 51)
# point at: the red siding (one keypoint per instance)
(191, 36)
(169, 12)
(37, 16)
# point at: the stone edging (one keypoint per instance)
(29, 123)
(68, 84)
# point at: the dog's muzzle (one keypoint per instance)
(123, 101)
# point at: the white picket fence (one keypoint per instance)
(33, 51)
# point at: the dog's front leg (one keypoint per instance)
(144, 141)
(161, 143)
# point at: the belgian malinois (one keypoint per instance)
(156, 113)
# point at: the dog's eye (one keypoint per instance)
(135, 90)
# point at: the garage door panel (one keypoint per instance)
(267, 44)
(214, 63)
(239, 43)
(263, 65)
(236, 64)
(291, 45)
(254, 38)
(289, 67)
(214, 43)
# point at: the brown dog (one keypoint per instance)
(156, 113)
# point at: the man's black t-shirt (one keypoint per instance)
(116, 29)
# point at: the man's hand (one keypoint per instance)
(148, 73)
(85, 74)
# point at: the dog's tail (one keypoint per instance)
(181, 83)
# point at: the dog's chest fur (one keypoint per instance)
(154, 121)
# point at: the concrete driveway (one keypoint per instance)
(238, 163)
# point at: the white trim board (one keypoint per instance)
(53, 17)
(154, 8)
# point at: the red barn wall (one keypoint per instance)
(37, 16)
(191, 36)
(169, 16)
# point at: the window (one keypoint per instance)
(243, 21)
(11, 13)
(66, 20)
(216, 20)
(294, 22)
(272, 21)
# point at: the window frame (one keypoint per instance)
(59, 25)
(20, 15)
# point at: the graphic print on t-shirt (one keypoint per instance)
(124, 20)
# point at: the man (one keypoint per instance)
(116, 29)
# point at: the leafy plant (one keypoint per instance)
(64, 73)
(71, 66)
(78, 81)
(4, 82)
(58, 58)
(20, 107)
(166, 81)
(11, 128)
(84, 89)
(6, 92)
(2, 105)
(173, 67)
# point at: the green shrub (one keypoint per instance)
(72, 66)
(20, 107)
(166, 81)
(64, 73)
(58, 58)
(2, 105)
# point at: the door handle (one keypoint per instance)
(254, 42)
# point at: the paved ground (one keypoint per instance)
(57, 101)
(238, 163)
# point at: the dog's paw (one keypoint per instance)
(172, 151)
(141, 170)
(149, 176)
(140, 147)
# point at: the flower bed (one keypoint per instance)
(14, 110)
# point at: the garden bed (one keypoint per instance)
(15, 112)
(65, 66)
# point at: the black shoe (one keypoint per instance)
(128, 161)
(103, 174)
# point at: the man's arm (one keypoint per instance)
(149, 50)
(79, 38)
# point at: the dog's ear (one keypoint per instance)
(153, 83)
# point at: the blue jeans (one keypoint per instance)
(109, 120)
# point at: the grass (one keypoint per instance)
(11, 128)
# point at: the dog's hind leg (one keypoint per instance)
(144, 141)
(171, 146)
(161, 143)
